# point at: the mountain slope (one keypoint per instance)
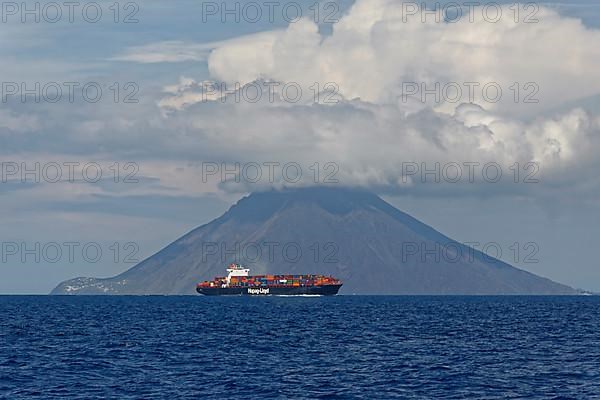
(351, 234)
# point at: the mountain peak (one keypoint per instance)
(335, 200)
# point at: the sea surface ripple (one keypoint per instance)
(363, 347)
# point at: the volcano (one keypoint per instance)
(350, 234)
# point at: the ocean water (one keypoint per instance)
(326, 347)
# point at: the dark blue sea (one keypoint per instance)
(300, 348)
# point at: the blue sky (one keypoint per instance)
(369, 133)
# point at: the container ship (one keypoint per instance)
(239, 282)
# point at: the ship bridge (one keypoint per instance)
(236, 270)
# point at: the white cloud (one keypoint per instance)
(166, 52)
(373, 51)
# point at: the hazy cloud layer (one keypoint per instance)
(166, 52)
